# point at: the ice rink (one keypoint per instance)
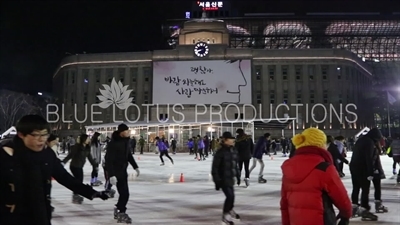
(157, 196)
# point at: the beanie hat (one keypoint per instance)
(310, 137)
(122, 127)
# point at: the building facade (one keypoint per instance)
(324, 84)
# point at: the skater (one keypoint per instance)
(141, 144)
(244, 146)
(259, 151)
(200, 148)
(362, 173)
(339, 142)
(190, 146)
(206, 141)
(78, 154)
(23, 173)
(224, 172)
(117, 158)
(311, 183)
(163, 151)
(173, 145)
(284, 144)
(196, 147)
(378, 176)
(132, 143)
(95, 151)
(394, 152)
(335, 153)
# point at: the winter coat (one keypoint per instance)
(78, 155)
(206, 143)
(395, 150)
(118, 156)
(25, 184)
(362, 160)
(95, 152)
(141, 142)
(200, 144)
(224, 168)
(336, 156)
(244, 146)
(310, 184)
(378, 169)
(260, 148)
(196, 144)
(161, 146)
(190, 144)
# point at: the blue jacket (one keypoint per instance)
(161, 146)
(190, 144)
(200, 144)
(259, 149)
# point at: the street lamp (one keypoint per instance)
(40, 93)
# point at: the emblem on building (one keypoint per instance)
(115, 94)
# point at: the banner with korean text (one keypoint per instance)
(202, 82)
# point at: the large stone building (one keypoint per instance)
(326, 77)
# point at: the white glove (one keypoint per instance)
(370, 178)
(113, 180)
(137, 172)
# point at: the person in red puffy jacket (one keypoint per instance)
(311, 184)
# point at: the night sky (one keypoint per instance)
(35, 35)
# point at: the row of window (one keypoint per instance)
(298, 71)
(71, 76)
(299, 97)
(85, 98)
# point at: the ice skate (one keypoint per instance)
(115, 213)
(172, 161)
(261, 180)
(356, 211)
(162, 164)
(247, 182)
(234, 215)
(76, 199)
(379, 208)
(366, 215)
(123, 218)
(110, 193)
(227, 219)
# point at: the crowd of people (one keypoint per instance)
(314, 169)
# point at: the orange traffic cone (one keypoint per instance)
(182, 179)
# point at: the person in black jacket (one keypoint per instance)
(362, 172)
(244, 145)
(78, 154)
(224, 172)
(336, 156)
(117, 157)
(26, 169)
(258, 153)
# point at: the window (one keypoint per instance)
(85, 73)
(258, 70)
(97, 99)
(146, 99)
(134, 73)
(324, 71)
(73, 74)
(285, 70)
(237, 116)
(298, 96)
(72, 99)
(146, 73)
(66, 77)
(272, 97)
(312, 96)
(285, 95)
(97, 73)
(258, 98)
(298, 72)
(340, 98)
(121, 74)
(271, 72)
(134, 97)
(109, 74)
(325, 97)
(85, 98)
(311, 70)
(339, 72)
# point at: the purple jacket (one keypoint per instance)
(161, 146)
(200, 144)
(190, 144)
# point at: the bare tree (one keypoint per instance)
(13, 106)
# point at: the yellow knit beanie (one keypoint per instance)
(310, 137)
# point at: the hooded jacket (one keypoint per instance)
(118, 156)
(224, 168)
(310, 185)
(260, 147)
(244, 146)
(364, 153)
(161, 146)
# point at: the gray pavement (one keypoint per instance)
(157, 196)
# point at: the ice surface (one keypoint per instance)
(157, 196)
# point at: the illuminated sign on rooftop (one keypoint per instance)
(210, 6)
